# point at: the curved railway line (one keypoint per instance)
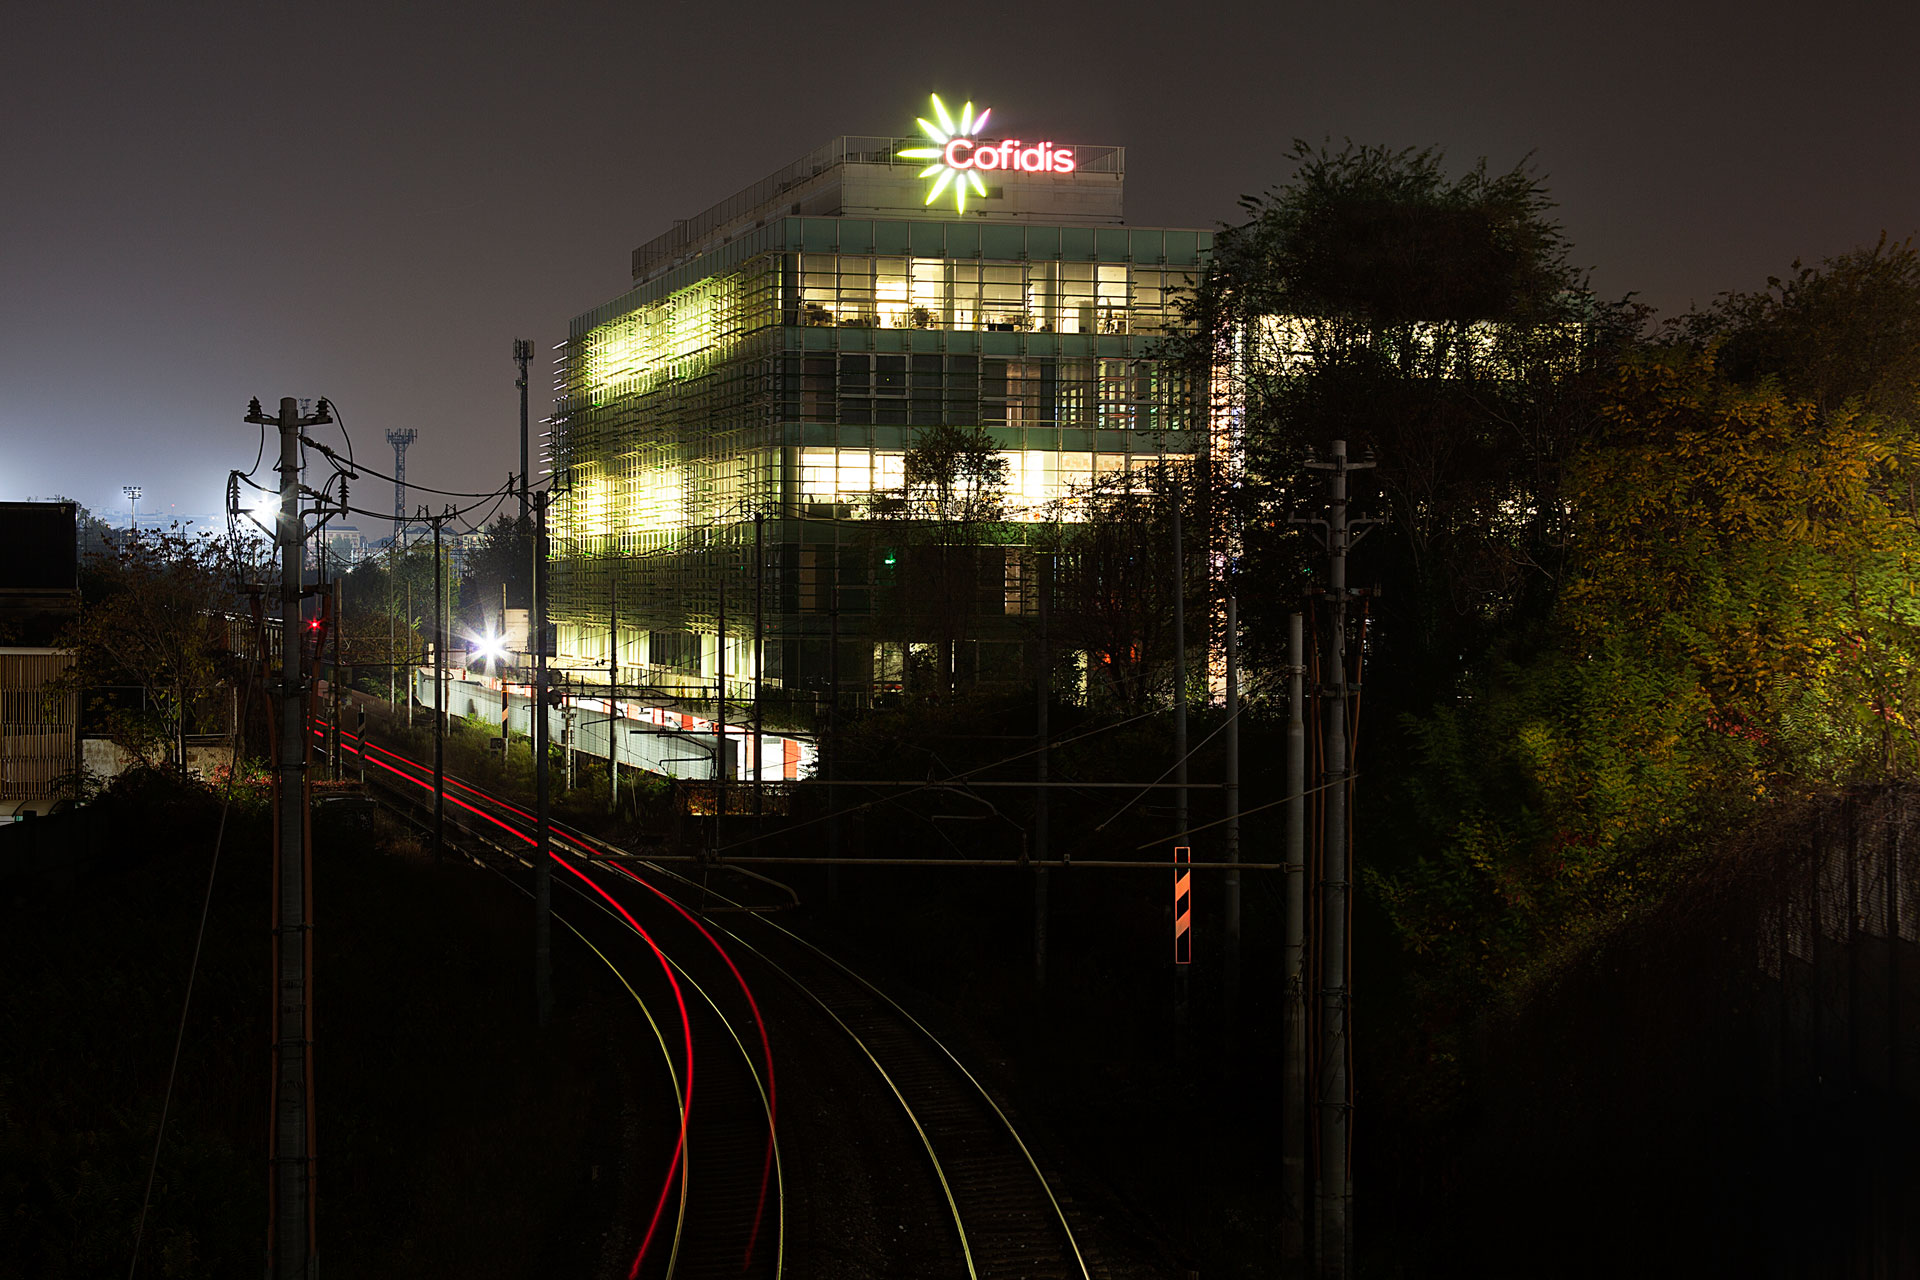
(976, 1202)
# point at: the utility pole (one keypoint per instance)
(439, 696)
(759, 650)
(1230, 893)
(523, 352)
(833, 739)
(393, 670)
(1179, 742)
(291, 1238)
(613, 695)
(1293, 1070)
(505, 698)
(334, 619)
(1042, 704)
(566, 728)
(410, 660)
(543, 836)
(1335, 1192)
(720, 710)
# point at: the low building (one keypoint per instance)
(39, 597)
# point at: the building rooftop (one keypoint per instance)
(868, 177)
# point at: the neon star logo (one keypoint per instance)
(959, 155)
(950, 137)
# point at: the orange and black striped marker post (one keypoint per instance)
(1182, 907)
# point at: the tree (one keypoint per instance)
(1849, 329)
(1738, 622)
(1114, 583)
(151, 621)
(500, 556)
(375, 598)
(939, 537)
(1438, 323)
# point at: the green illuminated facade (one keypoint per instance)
(727, 433)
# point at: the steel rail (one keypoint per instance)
(659, 1036)
(753, 1071)
(760, 1083)
(1065, 1227)
(618, 861)
(939, 1169)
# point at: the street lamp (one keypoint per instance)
(132, 492)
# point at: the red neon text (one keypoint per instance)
(1043, 157)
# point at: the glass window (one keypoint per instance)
(855, 471)
(817, 394)
(1076, 297)
(927, 301)
(1003, 297)
(817, 479)
(1023, 393)
(1074, 393)
(892, 291)
(1076, 471)
(1111, 298)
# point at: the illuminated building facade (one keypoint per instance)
(729, 433)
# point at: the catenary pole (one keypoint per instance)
(1179, 739)
(759, 652)
(500, 669)
(542, 868)
(720, 710)
(613, 696)
(1230, 891)
(1182, 989)
(393, 671)
(566, 728)
(335, 618)
(411, 673)
(832, 752)
(1293, 1071)
(1335, 1190)
(1042, 704)
(439, 695)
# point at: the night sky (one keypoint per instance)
(206, 203)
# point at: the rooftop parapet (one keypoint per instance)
(867, 177)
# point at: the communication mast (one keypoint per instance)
(400, 440)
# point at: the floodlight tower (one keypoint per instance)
(132, 492)
(400, 440)
(523, 352)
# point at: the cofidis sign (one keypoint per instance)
(959, 156)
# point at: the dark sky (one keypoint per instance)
(203, 203)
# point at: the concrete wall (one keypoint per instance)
(671, 743)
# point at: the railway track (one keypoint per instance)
(975, 1203)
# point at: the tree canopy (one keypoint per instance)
(1437, 322)
(1737, 621)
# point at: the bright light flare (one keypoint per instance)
(491, 647)
(265, 512)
